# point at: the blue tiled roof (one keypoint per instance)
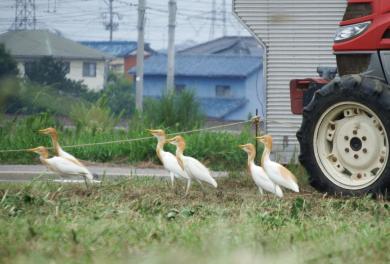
(115, 48)
(220, 107)
(203, 65)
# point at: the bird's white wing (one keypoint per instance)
(66, 167)
(66, 155)
(170, 163)
(262, 180)
(281, 176)
(198, 170)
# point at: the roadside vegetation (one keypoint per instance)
(140, 220)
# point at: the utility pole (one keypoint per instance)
(25, 15)
(111, 26)
(111, 18)
(224, 32)
(139, 80)
(171, 46)
(213, 19)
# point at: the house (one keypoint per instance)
(298, 36)
(124, 53)
(227, 87)
(83, 63)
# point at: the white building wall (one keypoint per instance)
(298, 35)
(95, 83)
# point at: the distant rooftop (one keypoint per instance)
(39, 43)
(229, 45)
(116, 48)
(203, 65)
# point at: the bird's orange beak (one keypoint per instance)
(44, 131)
(241, 146)
(33, 149)
(261, 139)
(171, 140)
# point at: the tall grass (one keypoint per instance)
(217, 149)
(178, 111)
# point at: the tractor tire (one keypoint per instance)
(344, 137)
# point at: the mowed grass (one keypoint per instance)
(141, 220)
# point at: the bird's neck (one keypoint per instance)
(43, 158)
(56, 145)
(179, 157)
(160, 147)
(264, 156)
(251, 159)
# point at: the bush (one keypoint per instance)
(25, 97)
(120, 94)
(95, 118)
(179, 111)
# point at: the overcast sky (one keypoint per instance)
(83, 19)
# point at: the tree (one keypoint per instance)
(52, 72)
(8, 66)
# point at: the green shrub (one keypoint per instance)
(95, 118)
(179, 111)
(120, 94)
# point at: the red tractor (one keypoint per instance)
(344, 135)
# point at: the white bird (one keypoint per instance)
(258, 174)
(194, 169)
(52, 132)
(62, 166)
(168, 160)
(279, 174)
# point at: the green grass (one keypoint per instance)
(142, 221)
(219, 150)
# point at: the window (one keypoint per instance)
(179, 88)
(223, 91)
(89, 69)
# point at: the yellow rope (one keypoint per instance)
(137, 139)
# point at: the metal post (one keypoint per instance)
(171, 46)
(139, 80)
(256, 127)
(111, 20)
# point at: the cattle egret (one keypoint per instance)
(52, 132)
(194, 169)
(276, 172)
(62, 166)
(258, 174)
(168, 160)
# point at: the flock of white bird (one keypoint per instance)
(270, 176)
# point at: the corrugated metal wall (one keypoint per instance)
(299, 37)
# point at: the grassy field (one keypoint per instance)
(141, 220)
